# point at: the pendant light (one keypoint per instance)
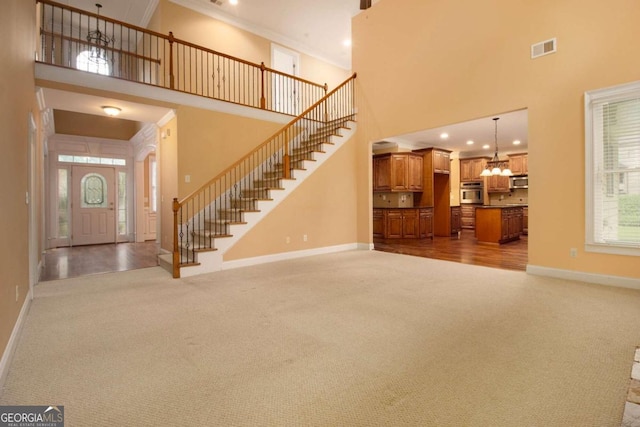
(495, 166)
(98, 42)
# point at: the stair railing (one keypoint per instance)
(208, 212)
(76, 39)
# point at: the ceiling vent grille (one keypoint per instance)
(544, 48)
(217, 2)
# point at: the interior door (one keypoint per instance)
(286, 91)
(93, 208)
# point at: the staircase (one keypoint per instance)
(217, 216)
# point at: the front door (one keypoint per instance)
(93, 209)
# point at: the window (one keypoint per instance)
(63, 204)
(153, 184)
(93, 191)
(85, 64)
(613, 169)
(122, 203)
(91, 160)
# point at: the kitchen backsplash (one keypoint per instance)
(518, 196)
(392, 200)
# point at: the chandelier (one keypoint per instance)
(97, 43)
(495, 166)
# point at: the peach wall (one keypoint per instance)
(212, 141)
(457, 61)
(17, 23)
(323, 207)
(205, 31)
(167, 158)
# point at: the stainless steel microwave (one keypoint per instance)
(519, 182)
(471, 192)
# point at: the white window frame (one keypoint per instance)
(592, 98)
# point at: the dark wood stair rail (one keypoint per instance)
(199, 208)
(144, 56)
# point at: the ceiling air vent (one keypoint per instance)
(544, 48)
(217, 2)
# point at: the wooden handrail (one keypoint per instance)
(267, 141)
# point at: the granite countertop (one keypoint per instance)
(500, 206)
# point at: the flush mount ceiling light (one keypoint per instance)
(495, 166)
(98, 41)
(444, 135)
(111, 111)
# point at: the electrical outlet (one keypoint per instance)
(573, 252)
(304, 237)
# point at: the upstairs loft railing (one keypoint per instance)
(77, 39)
(208, 212)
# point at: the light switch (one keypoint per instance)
(187, 178)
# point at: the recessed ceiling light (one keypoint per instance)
(111, 111)
(444, 135)
(233, 2)
(516, 142)
(346, 43)
(486, 146)
(469, 142)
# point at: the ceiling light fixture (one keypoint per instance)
(469, 142)
(516, 142)
(233, 2)
(98, 42)
(444, 135)
(495, 166)
(111, 111)
(346, 43)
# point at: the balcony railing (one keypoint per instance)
(81, 40)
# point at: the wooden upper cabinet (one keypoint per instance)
(382, 173)
(470, 169)
(498, 184)
(397, 172)
(518, 163)
(441, 161)
(415, 172)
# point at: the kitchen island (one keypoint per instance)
(498, 224)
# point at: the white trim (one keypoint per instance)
(284, 256)
(580, 276)
(166, 118)
(260, 31)
(148, 13)
(7, 355)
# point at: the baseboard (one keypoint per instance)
(9, 350)
(580, 276)
(283, 256)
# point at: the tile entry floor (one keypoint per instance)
(62, 263)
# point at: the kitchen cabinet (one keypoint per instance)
(456, 219)
(397, 172)
(498, 224)
(470, 169)
(403, 223)
(378, 223)
(441, 161)
(498, 184)
(519, 164)
(525, 220)
(436, 188)
(468, 216)
(425, 227)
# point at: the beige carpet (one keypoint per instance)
(351, 339)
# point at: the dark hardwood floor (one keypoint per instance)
(62, 263)
(466, 250)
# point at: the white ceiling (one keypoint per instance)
(511, 126)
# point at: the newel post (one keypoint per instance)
(176, 253)
(171, 76)
(286, 160)
(263, 100)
